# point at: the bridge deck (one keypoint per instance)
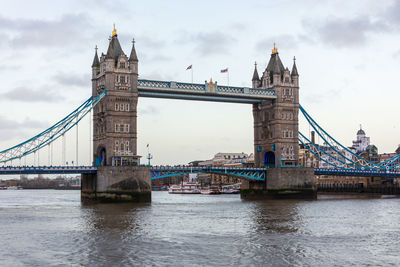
(251, 173)
(203, 92)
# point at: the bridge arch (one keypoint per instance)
(269, 159)
(101, 157)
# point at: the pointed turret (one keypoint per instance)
(294, 69)
(133, 56)
(255, 74)
(275, 64)
(114, 48)
(96, 62)
(256, 82)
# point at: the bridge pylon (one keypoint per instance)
(276, 144)
(119, 174)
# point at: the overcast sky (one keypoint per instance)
(348, 58)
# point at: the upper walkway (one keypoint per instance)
(206, 92)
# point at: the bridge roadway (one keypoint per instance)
(204, 92)
(158, 172)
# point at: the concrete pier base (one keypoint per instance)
(117, 184)
(282, 183)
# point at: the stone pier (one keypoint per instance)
(117, 184)
(282, 183)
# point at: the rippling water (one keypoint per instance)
(52, 228)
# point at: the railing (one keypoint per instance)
(210, 88)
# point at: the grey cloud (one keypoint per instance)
(73, 79)
(45, 33)
(31, 95)
(282, 41)
(396, 54)
(393, 13)
(148, 110)
(208, 43)
(340, 32)
(11, 129)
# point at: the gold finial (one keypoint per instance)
(114, 32)
(275, 50)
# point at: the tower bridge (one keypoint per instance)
(117, 175)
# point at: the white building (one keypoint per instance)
(362, 142)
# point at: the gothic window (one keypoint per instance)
(121, 128)
(116, 107)
(122, 79)
(127, 145)
(122, 107)
(122, 146)
(116, 145)
(116, 128)
(126, 107)
(286, 79)
(122, 65)
(127, 128)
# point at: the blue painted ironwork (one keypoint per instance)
(353, 172)
(158, 172)
(246, 173)
(47, 170)
(361, 162)
(204, 92)
(51, 134)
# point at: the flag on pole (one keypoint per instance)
(189, 67)
(224, 70)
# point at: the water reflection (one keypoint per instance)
(52, 228)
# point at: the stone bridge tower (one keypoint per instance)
(276, 142)
(114, 120)
(276, 121)
(119, 177)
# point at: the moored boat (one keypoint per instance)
(184, 188)
(212, 190)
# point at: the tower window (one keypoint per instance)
(122, 107)
(116, 145)
(122, 65)
(116, 107)
(126, 107)
(122, 79)
(121, 128)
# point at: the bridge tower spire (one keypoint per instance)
(276, 121)
(115, 128)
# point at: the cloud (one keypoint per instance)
(339, 32)
(73, 79)
(150, 109)
(25, 33)
(31, 95)
(282, 41)
(208, 43)
(11, 129)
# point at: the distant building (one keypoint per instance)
(362, 142)
(228, 160)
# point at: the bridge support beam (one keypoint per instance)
(117, 184)
(282, 183)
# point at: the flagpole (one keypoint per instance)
(192, 73)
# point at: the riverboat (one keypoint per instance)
(184, 188)
(212, 190)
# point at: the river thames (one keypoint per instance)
(53, 228)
